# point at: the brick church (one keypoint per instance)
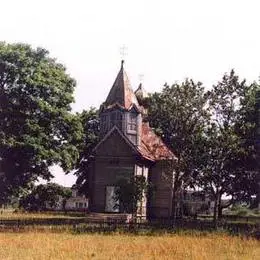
(128, 147)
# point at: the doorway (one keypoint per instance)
(111, 203)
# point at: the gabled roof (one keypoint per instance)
(113, 129)
(152, 147)
(121, 92)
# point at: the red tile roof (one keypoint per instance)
(152, 147)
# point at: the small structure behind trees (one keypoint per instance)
(45, 196)
(52, 196)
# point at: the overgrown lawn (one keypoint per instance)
(47, 245)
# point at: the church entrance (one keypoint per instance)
(110, 199)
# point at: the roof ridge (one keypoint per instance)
(115, 128)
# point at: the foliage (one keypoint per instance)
(179, 114)
(246, 187)
(37, 128)
(42, 196)
(131, 192)
(90, 121)
(213, 134)
(223, 147)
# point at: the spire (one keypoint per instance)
(141, 92)
(121, 92)
(142, 96)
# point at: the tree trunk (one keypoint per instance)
(220, 208)
(181, 204)
(258, 192)
(174, 206)
(175, 198)
(170, 207)
(215, 217)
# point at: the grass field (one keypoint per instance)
(48, 241)
(50, 215)
(46, 245)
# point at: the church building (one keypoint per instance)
(128, 147)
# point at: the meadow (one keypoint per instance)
(42, 240)
(11, 215)
(47, 245)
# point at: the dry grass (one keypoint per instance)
(24, 216)
(47, 245)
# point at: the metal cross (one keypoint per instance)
(123, 50)
(141, 78)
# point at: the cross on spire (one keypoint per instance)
(141, 78)
(123, 50)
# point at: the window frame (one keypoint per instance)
(132, 123)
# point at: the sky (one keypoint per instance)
(166, 41)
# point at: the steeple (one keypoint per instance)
(121, 92)
(121, 109)
(142, 96)
(141, 93)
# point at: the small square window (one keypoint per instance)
(132, 122)
(116, 119)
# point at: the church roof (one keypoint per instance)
(152, 147)
(121, 92)
(112, 130)
(141, 92)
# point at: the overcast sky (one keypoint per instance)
(166, 41)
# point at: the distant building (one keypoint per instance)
(76, 202)
(195, 202)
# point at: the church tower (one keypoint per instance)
(121, 109)
(128, 147)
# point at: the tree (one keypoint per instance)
(66, 193)
(131, 192)
(179, 114)
(45, 195)
(90, 121)
(37, 128)
(222, 163)
(246, 187)
(257, 144)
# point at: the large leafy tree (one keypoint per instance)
(179, 114)
(257, 142)
(246, 186)
(37, 128)
(226, 141)
(91, 124)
